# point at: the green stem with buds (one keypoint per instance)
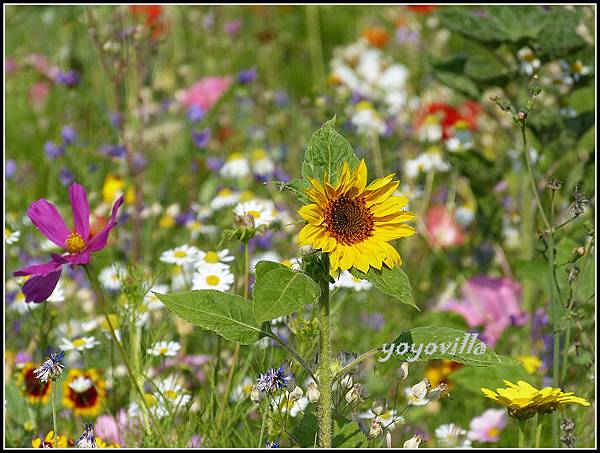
(325, 378)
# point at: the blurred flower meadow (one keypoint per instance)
(274, 226)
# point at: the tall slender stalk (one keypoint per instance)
(316, 47)
(325, 378)
(54, 426)
(100, 298)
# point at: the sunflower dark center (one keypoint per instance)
(349, 220)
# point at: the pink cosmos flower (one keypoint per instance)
(488, 426)
(78, 243)
(494, 303)
(206, 92)
(111, 429)
(442, 227)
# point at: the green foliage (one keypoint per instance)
(392, 282)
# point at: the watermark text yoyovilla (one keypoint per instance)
(468, 345)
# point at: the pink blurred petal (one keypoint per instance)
(47, 219)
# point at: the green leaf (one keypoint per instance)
(279, 291)
(393, 282)
(298, 186)
(458, 82)
(558, 37)
(582, 99)
(347, 434)
(327, 151)
(229, 315)
(435, 343)
(305, 432)
(484, 66)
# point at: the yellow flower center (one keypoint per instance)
(75, 243)
(213, 280)
(180, 254)
(577, 67)
(349, 220)
(170, 394)
(493, 432)
(211, 257)
(163, 351)
(7, 232)
(253, 213)
(150, 399)
(79, 342)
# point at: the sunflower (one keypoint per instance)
(354, 222)
(35, 390)
(48, 441)
(84, 392)
(523, 401)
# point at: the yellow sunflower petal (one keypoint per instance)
(312, 214)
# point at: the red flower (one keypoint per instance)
(443, 229)
(152, 16)
(421, 9)
(449, 116)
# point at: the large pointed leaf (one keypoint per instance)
(393, 282)
(435, 343)
(327, 151)
(229, 315)
(280, 291)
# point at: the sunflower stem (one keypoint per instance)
(324, 383)
(538, 430)
(100, 298)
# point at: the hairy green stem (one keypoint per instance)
(325, 378)
(100, 297)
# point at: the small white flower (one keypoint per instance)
(236, 166)
(262, 165)
(150, 299)
(184, 254)
(262, 212)
(417, 394)
(285, 402)
(529, 62)
(216, 277)
(111, 277)
(172, 393)
(464, 215)
(414, 441)
(225, 197)
(165, 349)
(10, 237)
(388, 419)
(451, 435)
(79, 344)
(430, 160)
(81, 384)
(196, 228)
(242, 390)
(367, 120)
(209, 259)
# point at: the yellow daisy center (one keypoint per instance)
(75, 243)
(349, 220)
(493, 432)
(170, 394)
(253, 213)
(213, 280)
(163, 350)
(211, 257)
(79, 342)
(180, 254)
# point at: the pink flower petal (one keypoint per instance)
(81, 210)
(98, 242)
(38, 288)
(47, 219)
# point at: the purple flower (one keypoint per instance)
(195, 113)
(69, 135)
(201, 138)
(78, 243)
(274, 379)
(488, 426)
(115, 119)
(117, 151)
(374, 321)
(233, 27)
(215, 163)
(494, 303)
(53, 151)
(10, 167)
(66, 177)
(247, 76)
(68, 78)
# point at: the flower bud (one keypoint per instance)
(436, 392)
(296, 394)
(376, 429)
(347, 381)
(403, 371)
(379, 407)
(312, 392)
(414, 441)
(354, 393)
(420, 390)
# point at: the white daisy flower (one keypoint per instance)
(529, 62)
(417, 394)
(78, 344)
(367, 120)
(10, 237)
(236, 166)
(111, 277)
(172, 393)
(294, 407)
(165, 349)
(211, 258)
(426, 162)
(196, 228)
(451, 435)
(388, 419)
(150, 299)
(347, 280)
(182, 255)
(262, 212)
(225, 197)
(215, 277)
(262, 165)
(242, 390)
(181, 277)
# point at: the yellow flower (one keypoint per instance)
(523, 401)
(84, 392)
(48, 442)
(35, 390)
(113, 187)
(354, 222)
(531, 363)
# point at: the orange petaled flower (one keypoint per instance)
(84, 392)
(35, 390)
(48, 441)
(153, 17)
(439, 371)
(376, 36)
(353, 222)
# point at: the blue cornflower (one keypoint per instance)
(52, 368)
(201, 138)
(53, 151)
(195, 113)
(273, 380)
(87, 438)
(247, 76)
(272, 444)
(69, 135)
